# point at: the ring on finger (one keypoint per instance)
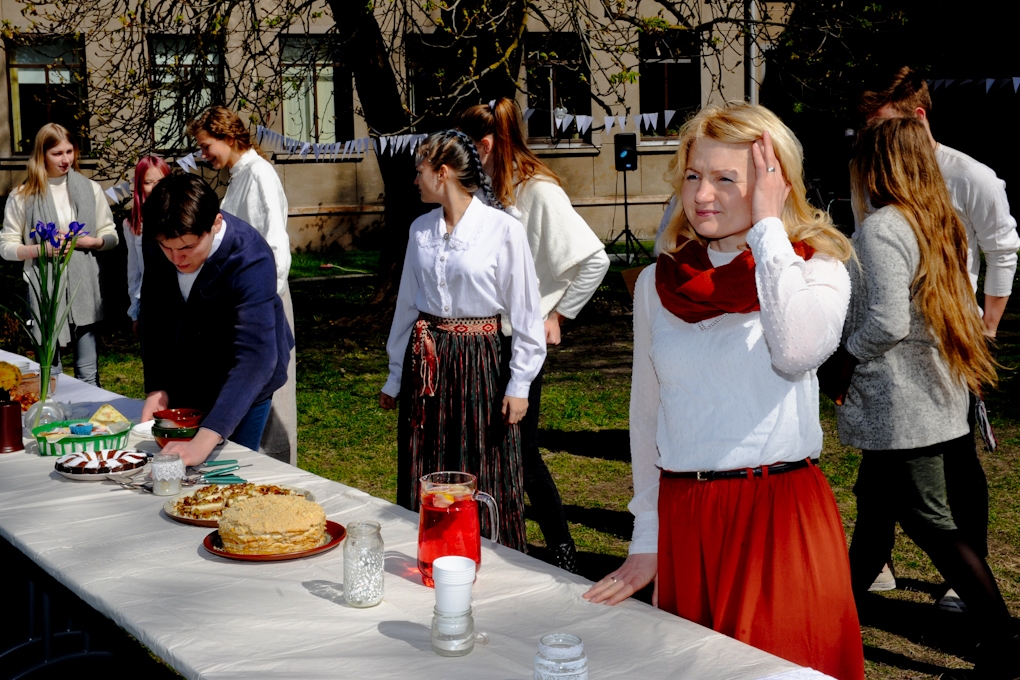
(771, 168)
(614, 579)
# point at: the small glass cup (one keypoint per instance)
(167, 473)
(453, 634)
(561, 657)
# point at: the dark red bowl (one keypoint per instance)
(182, 417)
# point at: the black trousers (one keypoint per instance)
(546, 504)
(909, 486)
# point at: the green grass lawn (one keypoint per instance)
(344, 436)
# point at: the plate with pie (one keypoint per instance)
(96, 466)
(203, 507)
(335, 533)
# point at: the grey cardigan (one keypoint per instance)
(901, 395)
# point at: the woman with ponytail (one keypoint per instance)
(148, 171)
(56, 192)
(916, 331)
(462, 393)
(570, 261)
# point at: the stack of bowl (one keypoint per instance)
(176, 425)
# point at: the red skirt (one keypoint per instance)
(763, 561)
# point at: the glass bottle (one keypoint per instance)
(363, 564)
(167, 473)
(561, 657)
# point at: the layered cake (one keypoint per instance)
(101, 462)
(272, 525)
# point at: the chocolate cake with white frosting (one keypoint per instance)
(101, 462)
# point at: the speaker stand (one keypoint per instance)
(631, 245)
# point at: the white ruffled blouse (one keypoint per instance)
(481, 269)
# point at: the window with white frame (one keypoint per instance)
(47, 85)
(186, 77)
(558, 85)
(318, 92)
(670, 77)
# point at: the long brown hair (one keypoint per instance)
(895, 165)
(223, 124)
(510, 151)
(741, 123)
(49, 136)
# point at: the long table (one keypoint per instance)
(209, 617)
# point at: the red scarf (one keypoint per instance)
(694, 290)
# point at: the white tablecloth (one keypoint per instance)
(210, 617)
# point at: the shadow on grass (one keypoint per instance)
(884, 656)
(923, 624)
(603, 444)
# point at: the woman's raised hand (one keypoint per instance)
(770, 186)
(636, 572)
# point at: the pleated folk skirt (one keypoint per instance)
(763, 561)
(460, 426)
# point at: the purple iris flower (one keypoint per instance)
(75, 229)
(47, 232)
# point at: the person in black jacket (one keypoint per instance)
(214, 335)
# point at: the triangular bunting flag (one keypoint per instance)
(938, 84)
(621, 121)
(609, 120)
(527, 114)
(305, 146)
(950, 81)
(988, 84)
(382, 144)
(567, 120)
(583, 123)
(667, 116)
(967, 81)
(492, 104)
(654, 117)
(637, 118)
(1016, 83)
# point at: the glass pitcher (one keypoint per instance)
(448, 521)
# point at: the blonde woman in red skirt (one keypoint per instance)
(733, 519)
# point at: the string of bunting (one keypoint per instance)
(638, 121)
(332, 151)
(989, 83)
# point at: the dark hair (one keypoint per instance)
(904, 90)
(455, 150)
(510, 152)
(179, 205)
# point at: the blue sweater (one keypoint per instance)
(226, 347)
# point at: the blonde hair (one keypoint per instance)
(741, 123)
(895, 165)
(49, 136)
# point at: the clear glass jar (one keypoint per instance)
(561, 657)
(363, 564)
(453, 634)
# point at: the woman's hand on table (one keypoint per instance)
(195, 452)
(387, 402)
(636, 572)
(154, 401)
(770, 187)
(514, 409)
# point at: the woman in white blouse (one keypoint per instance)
(570, 261)
(55, 192)
(733, 518)
(255, 194)
(461, 396)
(148, 171)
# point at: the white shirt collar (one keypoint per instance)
(246, 159)
(186, 281)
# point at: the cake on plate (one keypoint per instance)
(272, 525)
(101, 462)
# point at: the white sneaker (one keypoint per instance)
(951, 602)
(884, 581)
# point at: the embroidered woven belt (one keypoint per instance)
(425, 362)
(486, 326)
(745, 473)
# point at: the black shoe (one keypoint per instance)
(565, 557)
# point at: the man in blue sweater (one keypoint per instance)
(214, 335)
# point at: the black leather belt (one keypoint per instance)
(745, 473)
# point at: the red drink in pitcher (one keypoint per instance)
(448, 521)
